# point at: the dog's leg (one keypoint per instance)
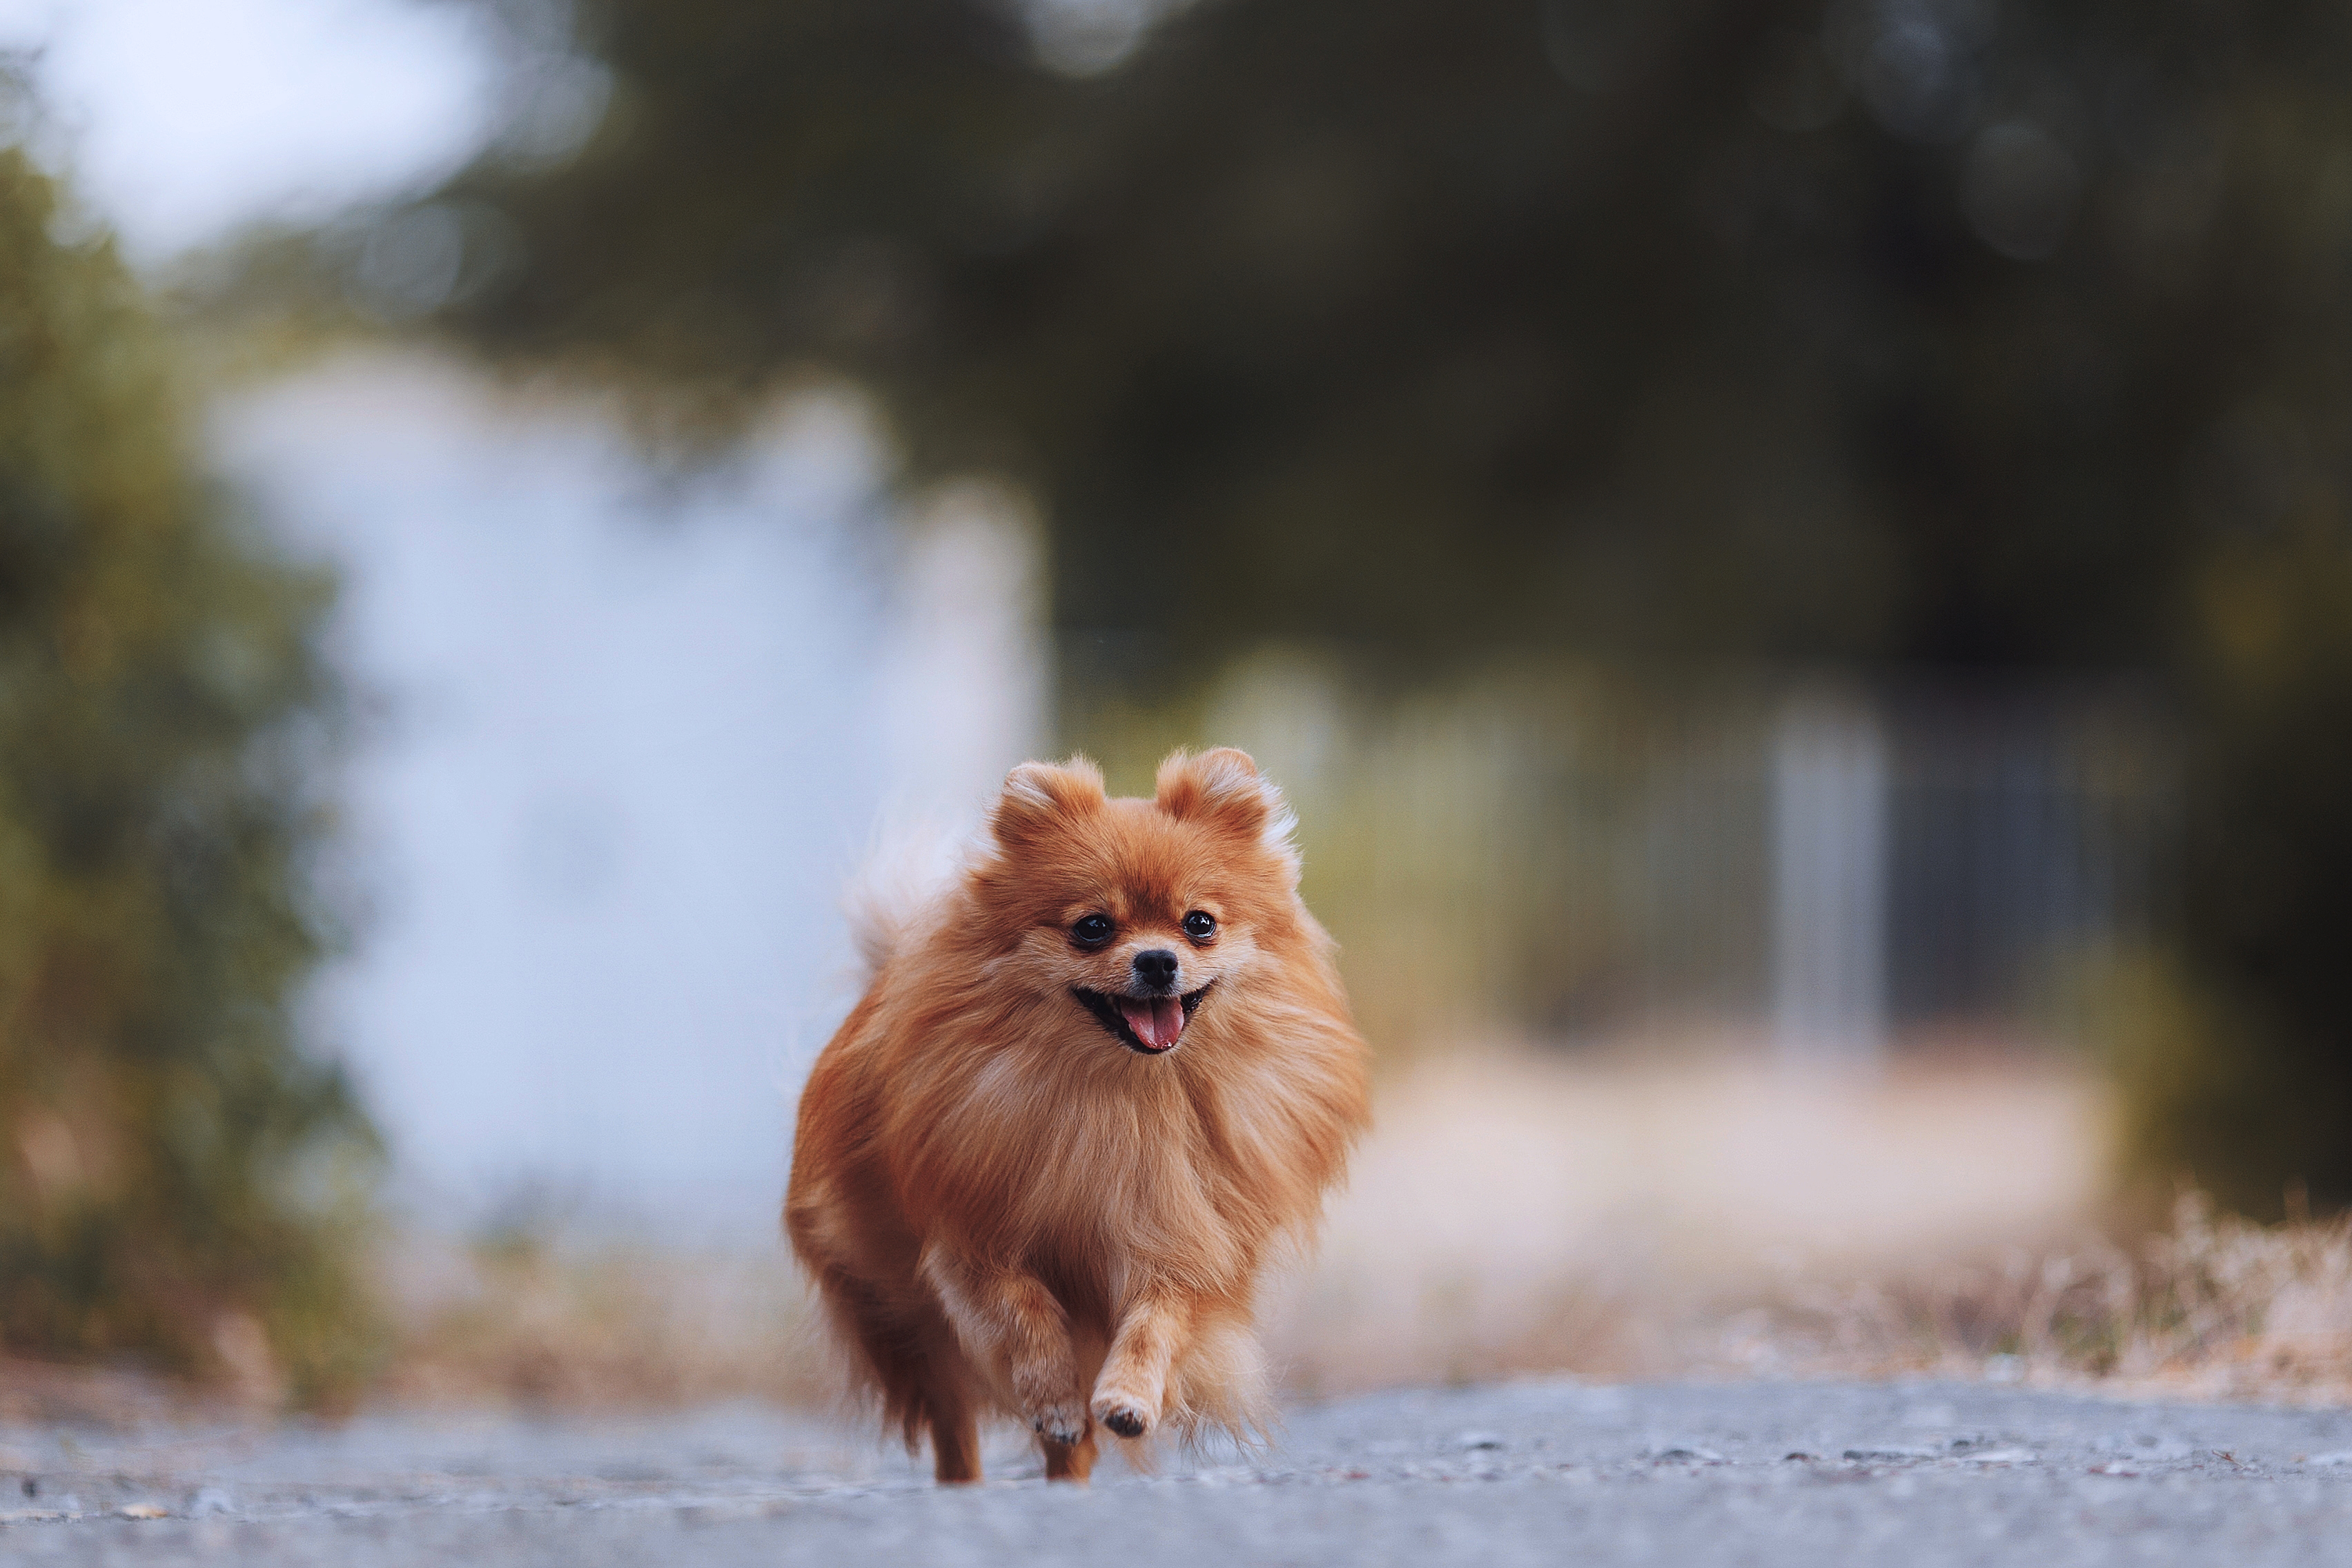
(1008, 1314)
(1069, 1461)
(955, 1430)
(955, 1448)
(1134, 1381)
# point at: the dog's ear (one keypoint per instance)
(1225, 788)
(1039, 795)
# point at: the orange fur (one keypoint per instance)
(1007, 1208)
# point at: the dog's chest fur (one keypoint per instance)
(1058, 1143)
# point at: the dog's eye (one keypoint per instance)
(1199, 926)
(1092, 932)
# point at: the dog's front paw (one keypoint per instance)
(1123, 1412)
(1059, 1421)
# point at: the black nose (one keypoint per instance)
(1156, 968)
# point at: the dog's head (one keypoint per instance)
(1136, 911)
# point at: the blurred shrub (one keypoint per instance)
(2257, 1097)
(178, 1182)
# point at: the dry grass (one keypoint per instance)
(2214, 1307)
(537, 1321)
(34, 1392)
(545, 1321)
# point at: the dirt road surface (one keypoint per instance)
(1919, 1474)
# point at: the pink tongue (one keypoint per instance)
(1156, 1022)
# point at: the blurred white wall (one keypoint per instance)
(628, 734)
(962, 692)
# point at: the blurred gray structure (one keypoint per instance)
(1823, 872)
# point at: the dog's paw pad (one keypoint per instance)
(1123, 1413)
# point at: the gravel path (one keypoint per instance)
(1920, 1474)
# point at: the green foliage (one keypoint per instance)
(175, 1171)
(2263, 1097)
(1916, 333)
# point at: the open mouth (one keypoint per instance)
(1146, 1024)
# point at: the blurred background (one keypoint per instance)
(1795, 559)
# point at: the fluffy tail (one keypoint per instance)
(1221, 1382)
(908, 867)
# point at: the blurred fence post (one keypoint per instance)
(1829, 883)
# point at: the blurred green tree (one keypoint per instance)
(1894, 331)
(177, 1178)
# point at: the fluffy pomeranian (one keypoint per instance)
(1095, 1084)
